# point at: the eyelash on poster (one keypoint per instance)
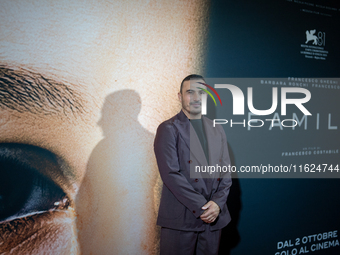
(27, 192)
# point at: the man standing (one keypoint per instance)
(192, 211)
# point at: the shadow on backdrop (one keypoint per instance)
(116, 200)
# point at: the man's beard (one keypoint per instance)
(195, 110)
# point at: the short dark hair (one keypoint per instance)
(189, 77)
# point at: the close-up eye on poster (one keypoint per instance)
(171, 127)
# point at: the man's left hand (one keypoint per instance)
(211, 212)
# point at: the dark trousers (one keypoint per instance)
(177, 242)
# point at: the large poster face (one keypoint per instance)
(83, 86)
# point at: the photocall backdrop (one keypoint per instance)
(263, 44)
(83, 88)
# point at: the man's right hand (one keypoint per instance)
(211, 212)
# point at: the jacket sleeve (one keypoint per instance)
(165, 147)
(221, 195)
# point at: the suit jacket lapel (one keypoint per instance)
(190, 137)
(213, 140)
(196, 147)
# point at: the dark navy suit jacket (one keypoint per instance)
(177, 149)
